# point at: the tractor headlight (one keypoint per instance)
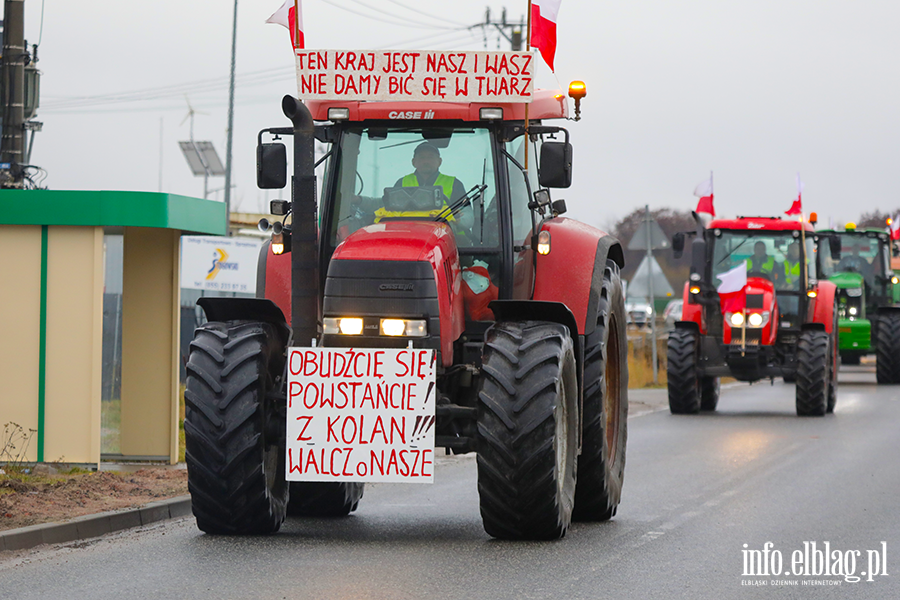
(895, 280)
(854, 292)
(342, 325)
(404, 327)
(852, 310)
(387, 327)
(754, 320)
(736, 319)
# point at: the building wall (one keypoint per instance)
(20, 316)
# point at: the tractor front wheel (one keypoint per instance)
(709, 393)
(812, 373)
(601, 466)
(681, 372)
(527, 430)
(234, 433)
(887, 348)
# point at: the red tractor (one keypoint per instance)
(522, 306)
(778, 321)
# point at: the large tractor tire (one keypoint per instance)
(709, 393)
(887, 348)
(681, 372)
(812, 373)
(601, 466)
(324, 499)
(234, 434)
(527, 430)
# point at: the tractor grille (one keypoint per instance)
(754, 336)
(374, 289)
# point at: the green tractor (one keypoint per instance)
(868, 311)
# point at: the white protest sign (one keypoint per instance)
(361, 415)
(410, 75)
(219, 263)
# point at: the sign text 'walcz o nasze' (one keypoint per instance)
(407, 75)
(360, 415)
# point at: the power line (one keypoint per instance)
(401, 17)
(443, 19)
(399, 23)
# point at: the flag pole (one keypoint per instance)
(296, 35)
(803, 237)
(527, 49)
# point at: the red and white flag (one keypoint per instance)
(291, 17)
(895, 227)
(731, 290)
(797, 207)
(704, 191)
(543, 28)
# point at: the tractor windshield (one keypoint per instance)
(859, 254)
(769, 254)
(417, 173)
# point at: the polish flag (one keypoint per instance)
(287, 17)
(895, 227)
(704, 191)
(731, 290)
(543, 28)
(797, 207)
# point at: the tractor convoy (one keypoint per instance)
(468, 257)
(771, 316)
(868, 313)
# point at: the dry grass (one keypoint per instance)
(640, 360)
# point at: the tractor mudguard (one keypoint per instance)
(572, 273)
(691, 311)
(823, 305)
(688, 325)
(241, 309)
(888, 309)
(273, 278)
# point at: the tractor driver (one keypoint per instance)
(760, 261)
(427, 161)
(854, 262)
(792, 265)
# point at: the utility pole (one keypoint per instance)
(512, 32)
(12, 72)
(228, 155)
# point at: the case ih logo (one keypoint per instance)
(396, 287)
(418, 114)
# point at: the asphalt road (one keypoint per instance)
(697, 488)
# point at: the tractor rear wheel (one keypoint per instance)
(812, 373)
(527, 430)
(601, 466)
(887, 348)
(709, 393)
(234, 434)
(681, 372)
(324, 499)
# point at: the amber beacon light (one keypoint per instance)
(577, 91)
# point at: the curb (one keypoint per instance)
(89, 526)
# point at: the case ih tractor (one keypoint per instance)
(868, 315)
(781, 323)
(523, 308)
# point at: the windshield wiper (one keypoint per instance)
(457, 206)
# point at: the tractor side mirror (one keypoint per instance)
(698, 256)
(678, 244)
(556, 164)
(834, 244)
(271, 166)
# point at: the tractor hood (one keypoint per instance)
(847, 280)
(399, 240)
(758, 297)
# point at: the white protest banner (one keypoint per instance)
(360, 414)
(409, 75)
(219, 263)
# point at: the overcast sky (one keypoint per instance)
(754, 91)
